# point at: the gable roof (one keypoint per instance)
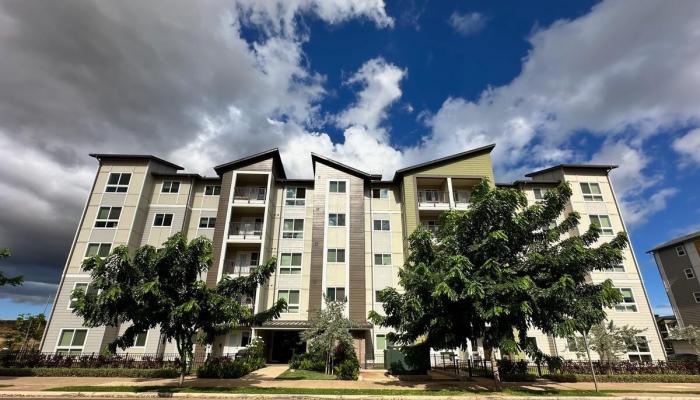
(342, 167)
(606, 167)
(242, 162)
(444, 160)
(148, 157)
(675, 241)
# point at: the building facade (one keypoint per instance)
(678, 261)
(341, 234)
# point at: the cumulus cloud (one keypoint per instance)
(688, 145)
(467, 23)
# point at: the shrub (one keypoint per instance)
(92, 372)
(247, 361)
(509, 367)
(307, 361)
(51, 360)
(348, 370)
(519, 377)
(658, 378)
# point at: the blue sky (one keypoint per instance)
(372, 84)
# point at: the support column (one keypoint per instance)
(450, 192)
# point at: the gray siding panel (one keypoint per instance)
(357, 301)
(317, 236)
(681, 288)
(222, 217)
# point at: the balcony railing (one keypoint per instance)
(433, 197)
(249, 194)
(233, 268)
(461, 198)
(432, 228)
(248, 230)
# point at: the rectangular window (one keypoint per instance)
(335, 293)
(245, 339)
(572, 343)
(603, 221)
(380, 193)
(627, 304)
(98, 249)
(689, 273)
(118, 182)
(336, 255)
(292, 298)
(163, 220)
(382, 342)
(293, 229)
(295, 196)
(680, 250)
(638, 349)
(381, 225)
(71, 341)
(140, 340)
(336, 186)
(591, 191)
(617, 268)
(108, 217)
(696, 296)
(336, 219)
(207, 222)
(212, 190)
(539, 193)
(378, 296)
(78, 285)
(170, 187)
(290, 263)
(382, 259)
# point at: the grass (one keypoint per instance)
(301, 374)
(324, 391)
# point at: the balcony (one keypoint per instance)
(253, 195)
(461, 198)
(433, 199)
(234, 268)
(245, 230)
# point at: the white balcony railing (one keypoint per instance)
(249, 194)
(433, 198)
(461, 198)
(233, 268)
(245, 230)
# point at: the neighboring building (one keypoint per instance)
(341, 233)
(678, 261)
(672, 347)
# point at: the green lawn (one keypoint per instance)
(333, 392)
(300, 374)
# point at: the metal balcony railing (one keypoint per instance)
(433, 197)
(249, 194)
(248, 230)
(461, 197)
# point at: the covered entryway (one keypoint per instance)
(281, 345)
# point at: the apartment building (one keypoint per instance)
(341, 234)
(678, 261)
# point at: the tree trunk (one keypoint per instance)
(590, 362)
(494, 368)
(183, 361)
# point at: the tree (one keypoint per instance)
(163, 288)
(330, 330)
(26, 332)
(4, 280)
(688, 333)
(610, 341)
(495, 270)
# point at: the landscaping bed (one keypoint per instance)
(659, 378)
(301, 374)
(93, 372)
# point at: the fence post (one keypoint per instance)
(469, 367)
(539, 370)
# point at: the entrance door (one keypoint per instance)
(284, 345)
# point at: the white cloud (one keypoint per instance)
(468, 23)
(689, 145)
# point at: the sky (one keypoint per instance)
(372, 84)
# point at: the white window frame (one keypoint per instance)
(591, 196)
(163, 216)
(382, 225)
(208, 224)
(170, 185)
(337, 220)
(541, 192)
(680, 251)
(99, 247)
(70, 347)
(118, 187)
(377, 296)
(383, 193)
(689, 273)
(215, 190)
(376, 341)
(109, 220)
(637, 352)
(145, 342)
(294, 233)
(334, 186)
(383, 258)
(624, 306)
(604, 230)
(335, 289)
(70, 296)
(617, 268)
(336, 251)
(294, 201)
(291, 268)
(696, 296)
(294, 306)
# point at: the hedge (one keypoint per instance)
(633, 378)
(93, 372)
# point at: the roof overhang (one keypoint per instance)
(342, 167)
(444, 160)
(676, 241)
(603, 167)
(145, 157)
(242, 162)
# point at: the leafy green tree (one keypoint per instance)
(163, 288)
(4, 280)
(495, 270)
(688, 333)
(26, 332)
(329, 331)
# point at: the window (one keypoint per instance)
(382, 225)
(290, 263)
(382, 343)
(98, 249)
(603, 221)
(212, 190)
(84, 286)
(163, 220)
(336, 255)
(296, 196)
(140, 340)
(382, 259)
(245, 339)
(380, 193)
(378, 296)
(170, 187)
(118, 182)
(108, 217)
(617, 268)
(335, 293)
(680, 250)
(574, 344)
(591, 191)
(627, 304)
(689, 273)
(207, 222)
(293, 229)
(336, 219)
(336, 186)
(696, 296)
(539, 193)
(292, 298)
(71, 341)
(637, 348)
